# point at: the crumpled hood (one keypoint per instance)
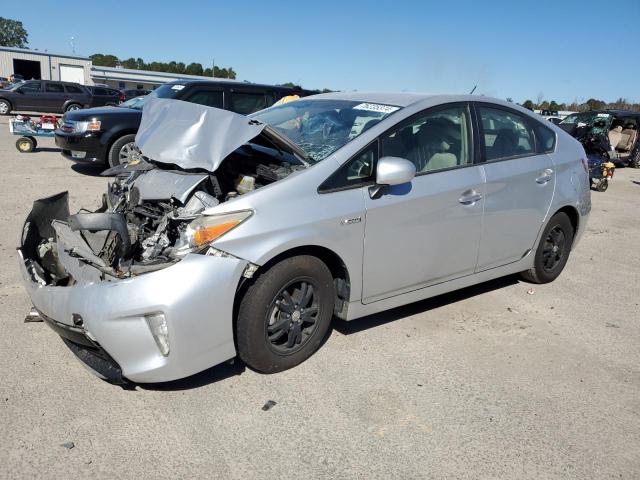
(191, 135)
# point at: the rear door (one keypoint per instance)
(520, 180)
(428, 231)
(55, 96)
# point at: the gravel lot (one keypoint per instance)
(489, 382)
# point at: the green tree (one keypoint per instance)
(194, 69)
(104, 60)
(593, 104)
(129, 63)
(12, 33)
(528, 104)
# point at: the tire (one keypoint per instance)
(544, 270)
(261, 344)
(117, 153)
(26, 144)
(5, 107)
(72, 107)
(602, 185)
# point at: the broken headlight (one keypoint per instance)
(208, 228)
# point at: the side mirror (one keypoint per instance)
(394, 171)
(391, 171)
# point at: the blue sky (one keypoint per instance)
(564, 50)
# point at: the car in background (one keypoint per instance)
(610, 135)
(136, 92)
(106, 136)
(554, 120)
(44, 96)
(105, 96)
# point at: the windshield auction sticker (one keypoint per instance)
(376, 107)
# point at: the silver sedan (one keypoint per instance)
(245, 236)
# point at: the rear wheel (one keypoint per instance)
(284, 316)
(73, 107)
(553, 251)
(123, 150)
(5, 107)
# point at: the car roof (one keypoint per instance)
(406, 99)
(230, 82)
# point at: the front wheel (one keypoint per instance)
(553, 250)
(123, 150)
(284, 316)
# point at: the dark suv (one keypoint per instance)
(45, 96)
(105, 96)
(107, 135)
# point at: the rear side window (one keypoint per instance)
(546, 139)
(506, 134)
(99, 91)
(245, 103)
(53, 88)
(73, 89)
(210, 98)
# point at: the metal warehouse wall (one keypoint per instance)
(49, 64)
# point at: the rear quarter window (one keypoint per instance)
(73, 89)
(546, 138)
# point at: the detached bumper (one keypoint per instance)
(195, 295)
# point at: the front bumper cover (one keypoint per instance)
(195, 295)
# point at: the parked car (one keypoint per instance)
(44, 96)
(105, 96)
(246, 235)
(129, 94)
(106, 136)
(609, 135)
(554, 120)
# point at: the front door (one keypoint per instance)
(520, 180)
(428, 231)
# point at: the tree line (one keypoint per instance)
(193, 68)
(575, 106)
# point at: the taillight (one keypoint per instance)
(585, 164)
(122, 97)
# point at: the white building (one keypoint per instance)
(34, 64)
(42, 65)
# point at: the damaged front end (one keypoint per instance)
(129, 284)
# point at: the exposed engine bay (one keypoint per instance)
(142, 223)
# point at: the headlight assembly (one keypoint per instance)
(207, 228)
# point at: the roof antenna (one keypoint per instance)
(473, 89)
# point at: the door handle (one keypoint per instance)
(545, 176)
(470, 197)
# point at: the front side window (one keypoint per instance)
(30, 87)
(320, 127)
(438, 140)
(506, 134)
(210, 98)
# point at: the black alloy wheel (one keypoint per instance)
(292, 317)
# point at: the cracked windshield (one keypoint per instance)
(320, 127)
